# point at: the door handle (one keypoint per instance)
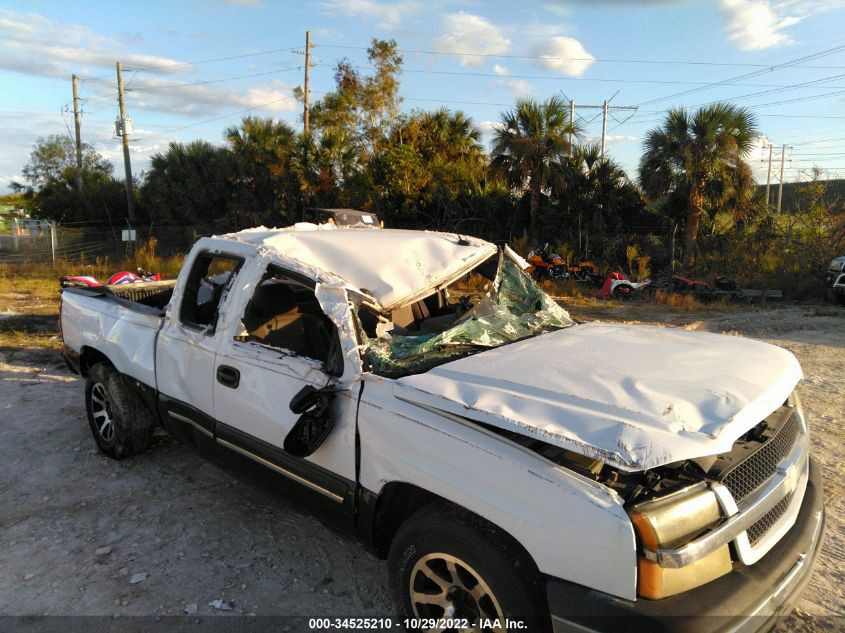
(228, 376)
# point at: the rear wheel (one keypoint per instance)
(446, 564)
(119, 421)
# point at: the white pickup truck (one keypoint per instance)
(418, 393)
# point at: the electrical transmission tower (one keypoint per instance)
(783, 160)
(604, 107)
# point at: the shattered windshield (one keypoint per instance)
(512, 308)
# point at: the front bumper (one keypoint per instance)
(750, 598)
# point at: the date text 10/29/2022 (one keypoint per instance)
(413, 624)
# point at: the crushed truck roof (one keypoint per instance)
(394, 266)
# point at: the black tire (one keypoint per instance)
(119, 421)
(510, 585)
(623, 292)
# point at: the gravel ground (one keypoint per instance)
(163, 533)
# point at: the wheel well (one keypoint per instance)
(398, 501)
(89, 357)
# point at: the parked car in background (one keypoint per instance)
(419, 393)
(835, 280)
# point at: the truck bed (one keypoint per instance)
(148, 296)
(120, 322)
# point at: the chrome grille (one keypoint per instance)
(759, 529)
(752, 473)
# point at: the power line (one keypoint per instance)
(217, 118)
(188, 84)
(796, 100)
(582, 59)
(805, 84)
(731, 80)
(804, 116)
(216, 59)
(566, 78)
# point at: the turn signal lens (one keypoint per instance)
(655, 582)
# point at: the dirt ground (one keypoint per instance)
(165, 533)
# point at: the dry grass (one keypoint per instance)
(568, 288)
(29, 293)
(686, 302)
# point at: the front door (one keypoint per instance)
(283, 342)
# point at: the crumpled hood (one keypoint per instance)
(635, 397)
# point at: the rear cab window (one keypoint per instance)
(212, 274)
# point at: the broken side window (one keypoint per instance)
(284, 314)
(210, 276)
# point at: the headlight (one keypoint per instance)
(668, 523)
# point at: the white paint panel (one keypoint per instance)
(635, 397)
(574, 529)
(125, 337)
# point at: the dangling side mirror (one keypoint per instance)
(304, 399)
(315, 422)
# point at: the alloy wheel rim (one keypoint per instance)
(101, 411)
(444, 586)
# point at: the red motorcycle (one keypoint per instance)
(122, 277)
(618, 286)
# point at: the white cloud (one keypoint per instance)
(488, 127)
(501, 70)
(611, 139)
(29, 43)
(757, 24)
(518, 88)
(157, 95)
(468, 33)
(564, 54)
(386, 15)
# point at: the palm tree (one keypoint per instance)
(699, 157)
(192, 184)
(531, 143)
(596, 189)
(263, 148)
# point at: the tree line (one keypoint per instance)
(425, 169)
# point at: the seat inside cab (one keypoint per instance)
(285, 314)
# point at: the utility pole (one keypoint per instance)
(780, 184)
(122, 128)
(307, 78)
(77, 124)
(769, 178)
(603, 126)
(572, 123)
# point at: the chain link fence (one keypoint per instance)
(45, 242)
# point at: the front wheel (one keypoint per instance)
(447, 565)
(119, 421)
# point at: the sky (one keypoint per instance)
(192, 69)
